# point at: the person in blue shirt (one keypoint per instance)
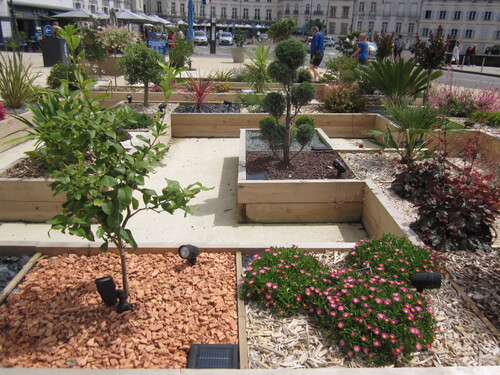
(362, 51)
(317, 51)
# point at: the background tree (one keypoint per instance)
(141, 64)
(431, 55)
(290, 55)
(283, 29)
(384, 44)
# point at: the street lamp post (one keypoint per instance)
(13, 23)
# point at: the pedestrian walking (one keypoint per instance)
(467, 56)
(455, 57)
(317, 51)
(362, 51)
(473, 55)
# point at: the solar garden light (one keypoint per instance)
(129, 98)
(189, 252)
(426, 280)
(340, 166)
(109, 294)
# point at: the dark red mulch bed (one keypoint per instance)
(27, 168)
(306, 166)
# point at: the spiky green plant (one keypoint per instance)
(257, 67)
(400, 80)
(16, 81)
(411, 131)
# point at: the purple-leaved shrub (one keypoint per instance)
(462, 102)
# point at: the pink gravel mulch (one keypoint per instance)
(58, 319)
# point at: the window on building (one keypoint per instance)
(296, 9)
(387, 9)
(172, 8)
(92, 9)
(371, 24)
(360, 26)
(105, 10)
(413, 9)
(212, 12)
(384, 26)
(425, 31)
(78, 5)
(487, 16)
(245, 13)
(411, 28)
(183, 9)
(468, 34)
(453, 33)
(269, 1)
(202, 11)
(497, 35)
(472, 15)
(373, 7)
(333, 12)
(257, 14)
(158, 7)
(234, 13)
(331, 28)
(428, 14)
(398, 27)
(401, 9)
(287, 8)
(345, 12)
(442, 15)
(269, 14)
(361, 7)
(318, 9)
(223, 13)
(308, 9)
(457, 15)
(257, 1)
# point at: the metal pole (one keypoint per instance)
(13, 23)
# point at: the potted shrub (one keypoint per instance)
(238, 52)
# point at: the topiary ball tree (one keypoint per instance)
(281, 128)
(141, 64)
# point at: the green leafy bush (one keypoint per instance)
(66, 72)
(136, 120)
(223, 75)
(304, 75)
(283, 29)
(179, 55)
(487, 118)
(344, 98)
(95, 50)
(341, 68)
(254, 102)
(16, 81)
(257, 67)
(374, 315)
(384, 44)
(222, 87)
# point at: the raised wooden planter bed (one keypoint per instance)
(9, 126)
(315, 201)
(336, 125)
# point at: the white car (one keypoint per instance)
(372, 49)
(200, 37)
(226, 38)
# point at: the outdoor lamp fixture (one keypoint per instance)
(340, 166)
(109, 294)
(228, 103)
(426, 280)
(162, 107)
(189, 252)
(129, 98)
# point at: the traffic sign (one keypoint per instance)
(47, 30)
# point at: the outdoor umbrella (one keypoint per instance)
(190, 32)
(127, 15)
(157, 19)
(77, 14)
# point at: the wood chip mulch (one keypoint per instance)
(58, 319)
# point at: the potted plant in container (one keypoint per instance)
(238, 52)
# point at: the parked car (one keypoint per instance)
(226, 38)
(200, 37)
(329, 41)
(372, 49)
(263, 37)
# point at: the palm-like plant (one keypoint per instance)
(411, 131)
(400, 81)
(16, 81)
(257, 68)
(199, 88)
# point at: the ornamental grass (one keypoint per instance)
(367, 307)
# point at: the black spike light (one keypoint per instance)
(109, 294)
(162, 107)
(129, 98)
(340, 166)
(426, 280)
(189, 252)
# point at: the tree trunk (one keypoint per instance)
(124, 271)
(428, 87)
(146, 95)
(286, 141)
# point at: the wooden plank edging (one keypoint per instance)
(17, 279)
(242, 316)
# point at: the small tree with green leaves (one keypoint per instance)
(347, 45)
(384, 44)
(257, 67)
(431, 56)
(290, 55)
(102, 181)
(141, 64)
(283, 29)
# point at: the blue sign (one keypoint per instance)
(47, 30)
(158, 46)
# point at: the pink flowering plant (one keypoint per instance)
(2, 112)
(368, 312)
(461, 102)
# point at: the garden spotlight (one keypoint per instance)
(162, 107)
(189, 252)
(426, 280)
(340, 166)
(109, 294)
(129, 98)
